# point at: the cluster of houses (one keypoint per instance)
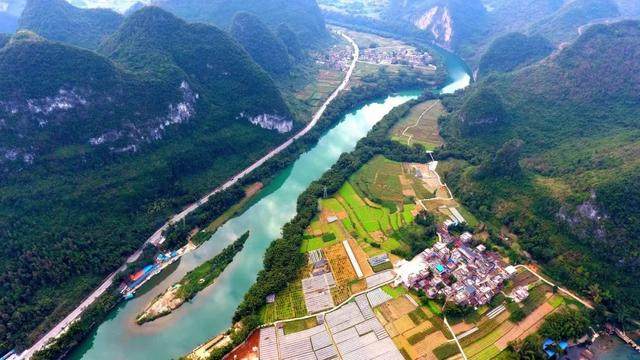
(455, 270)
(338, 58)
(397, 56)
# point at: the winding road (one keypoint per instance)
(157, 237)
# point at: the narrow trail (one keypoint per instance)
(157, 238)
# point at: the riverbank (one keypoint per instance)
(192, 283)
(279, 176)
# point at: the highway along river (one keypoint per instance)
(211, 310)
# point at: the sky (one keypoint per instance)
(118, 5)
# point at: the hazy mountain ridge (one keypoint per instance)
(448, 21)
(60, 21)
(303, 16)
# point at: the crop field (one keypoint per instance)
(369, 217)
(289, 304)
(414, 329)
(295, 326)
(342, 270)
(309, 94)
(389, 183)
(420, 126)
(379, 179)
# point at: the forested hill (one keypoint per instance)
(261, 43)
(563, 24)
(303, 16)
(513, 51)
(97, 152)
(158, 45)
(60, 21)
(553, 150)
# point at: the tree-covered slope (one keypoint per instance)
(572, 206)
(261, 43)
(97, 152)
(512, 51)
(60, 21)
(564, 24)
(303, 16)
(156, 44)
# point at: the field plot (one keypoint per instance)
(342, 270)
(388, 183)
(415, 330)
(289, 304)
(420, 126)
(328, 227)
(313, 84)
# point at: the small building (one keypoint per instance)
(519, 294)
(379, 260)
(332, 219)
(511, 270)
(466, 236)
(271, 298)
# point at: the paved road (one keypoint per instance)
(157, 237)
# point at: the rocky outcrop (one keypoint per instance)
(270, 122)
(437, 20)
(152, 130)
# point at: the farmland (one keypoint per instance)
(415, 330)
(420, 125)
(288, 304)
(490, 336)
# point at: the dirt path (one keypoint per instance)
(404, 133)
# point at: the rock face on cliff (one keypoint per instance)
(449, 22)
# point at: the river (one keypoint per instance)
(119, 337)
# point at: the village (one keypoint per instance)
(397, 55)
(453, 269)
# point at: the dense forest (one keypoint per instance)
(109, 148)
(261, 43)
(551, 157)
(513, 51)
